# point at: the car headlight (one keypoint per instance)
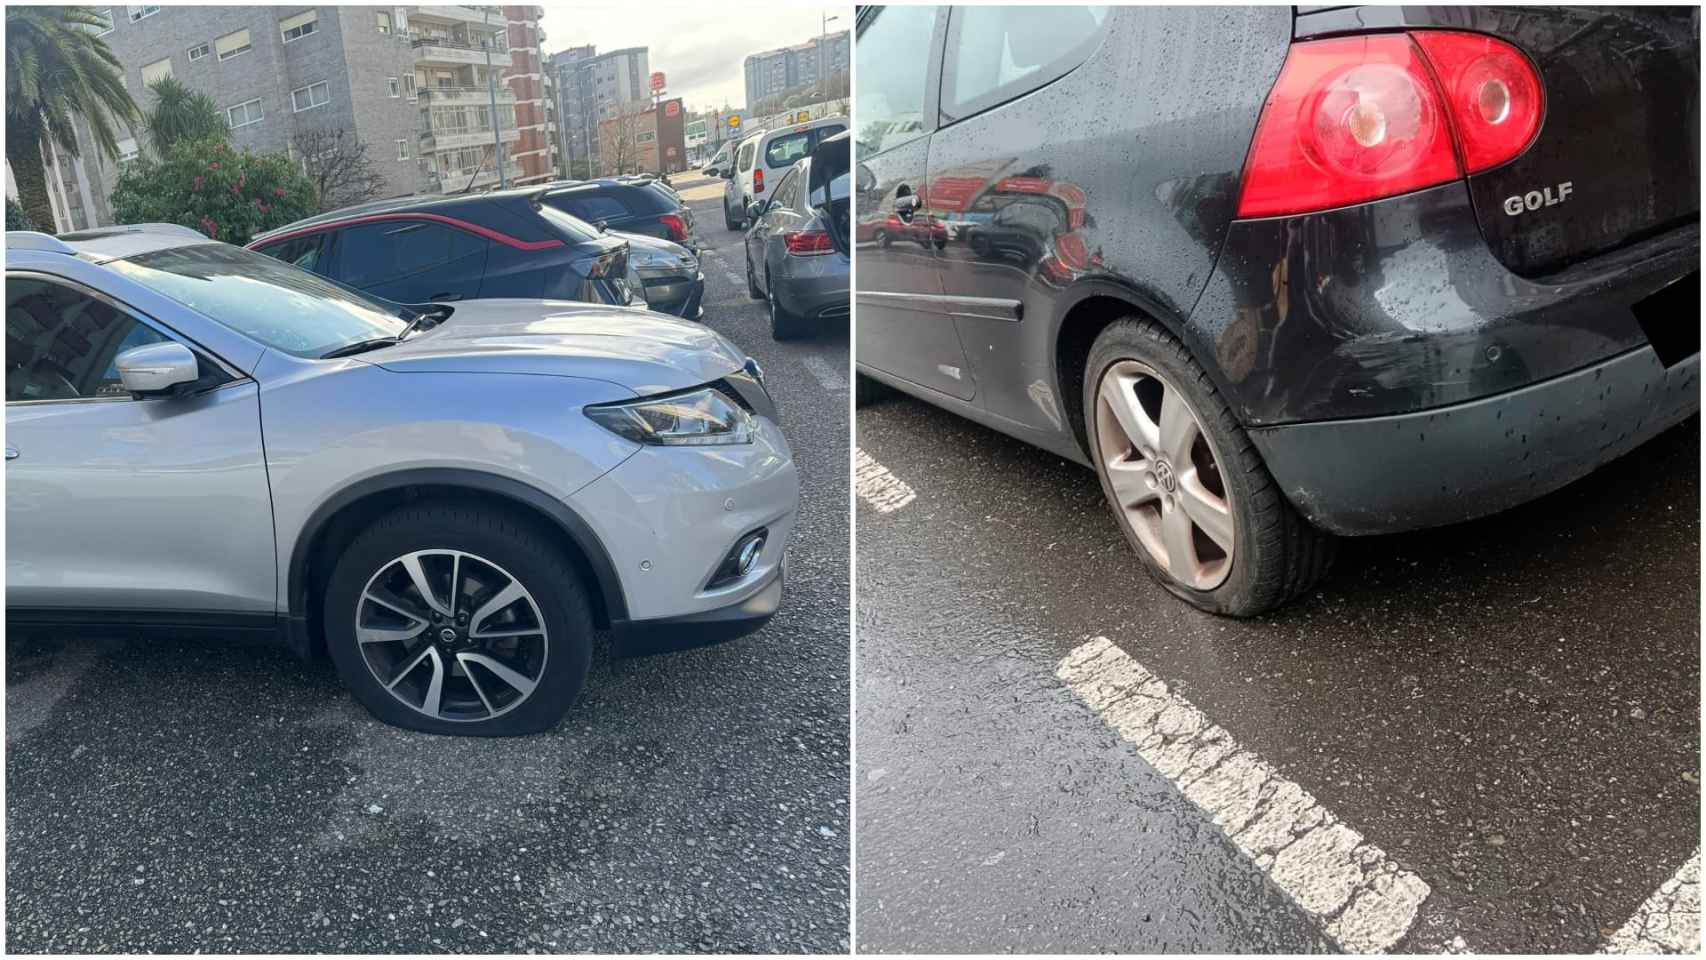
(699, 418)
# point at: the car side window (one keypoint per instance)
(301, 252)
(997, 53)
(786, 150)
(63, 344)
(785, 191)
(743, 162)
(377, 253)
(892, 61)
(593, 207)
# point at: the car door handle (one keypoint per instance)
(11, 452)
(905, 205)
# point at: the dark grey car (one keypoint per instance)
(797, 249)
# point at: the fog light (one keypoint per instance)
(740, 560)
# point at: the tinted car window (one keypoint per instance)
(301, 252)
(572, 227)
(787, 189)
(893, 55)
(62, 344)
(272, 302)
(590, 207)
(997, 53)
(380, 252)
(654, 198)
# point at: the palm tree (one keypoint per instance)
(57, 69)
(180, 115)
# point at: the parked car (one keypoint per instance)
(669, 274)
(447, 500)
(628, 204)
(797, 250)
(1342, 271)
(763, 157)
(718, 165)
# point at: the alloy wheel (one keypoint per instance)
(1164, 474)
(451, 635)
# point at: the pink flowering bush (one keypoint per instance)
(227, 194)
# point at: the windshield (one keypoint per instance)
(273, 302)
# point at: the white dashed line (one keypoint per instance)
(1669, 922)
(825, 373)
(735, 278)
(1364, 901)
(875, 485)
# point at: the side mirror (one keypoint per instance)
(755, 209)
(157, 368)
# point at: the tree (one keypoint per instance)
(337, 164)
(180, 115)
(16, 219)
(621, 148)
(204, 184)
(58, 70)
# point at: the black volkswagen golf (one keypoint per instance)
(1279, 274)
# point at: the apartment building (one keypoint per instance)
(526, 80)
(798, 68)
(461, 57)
(592, 87)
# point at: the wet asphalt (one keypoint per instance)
(1510, 708)
(183, 794)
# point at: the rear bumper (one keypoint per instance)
(814, 287)
(681, 296)
(1458, 462)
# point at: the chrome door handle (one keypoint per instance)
(11, 452)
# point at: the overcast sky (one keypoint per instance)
(699, 48)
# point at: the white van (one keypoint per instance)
(761, 159)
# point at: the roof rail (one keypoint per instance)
(170, 229)
(36, 240)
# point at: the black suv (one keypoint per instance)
(1281, 274)
(629, 204)
(438, 249)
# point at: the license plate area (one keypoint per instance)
(1671, 319)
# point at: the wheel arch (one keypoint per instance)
(1088, 309)
(342, 516)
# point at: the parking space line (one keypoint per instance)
(1669, 922)
(825, 373)
(1362, 899)
(875, 485)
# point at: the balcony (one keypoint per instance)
(456, 15)
(464, 96)
(454, 52)
(457, 138)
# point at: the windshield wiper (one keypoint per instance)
(360, 346)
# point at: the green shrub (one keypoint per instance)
(227, 194)
(16, 218)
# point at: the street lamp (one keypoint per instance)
(823, 54)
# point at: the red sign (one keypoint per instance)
(672, 108)
(657, 82)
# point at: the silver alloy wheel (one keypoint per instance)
(451, 635)
(1165, 474)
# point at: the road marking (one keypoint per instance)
(735, 278)
(825, 373)
(1669, 922)
(885, 492)
(1364, 901)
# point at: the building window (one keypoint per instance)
(384, 21)
(156, 71)
(393, 86)
(299, 26)
(232, 44)
(309, 97)
(106, 16)
(142, 13)
(402, 149)
(198, 52)
(127, 150)
(409, 87)
(244, 114)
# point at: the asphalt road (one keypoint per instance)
(1509, 709)
(188, 794)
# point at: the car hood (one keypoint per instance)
(643, 351)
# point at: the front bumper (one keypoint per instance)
(1433, 467)
(639, 638)
(679, 295)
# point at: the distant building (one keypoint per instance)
(592, 87)
(797, 68)
(648, 140)
(526, 81)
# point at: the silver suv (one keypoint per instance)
(448, 500)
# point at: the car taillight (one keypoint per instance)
(676, 226)
(1492, 92)
(757, 180)
(1353, 119)
(806, 243)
